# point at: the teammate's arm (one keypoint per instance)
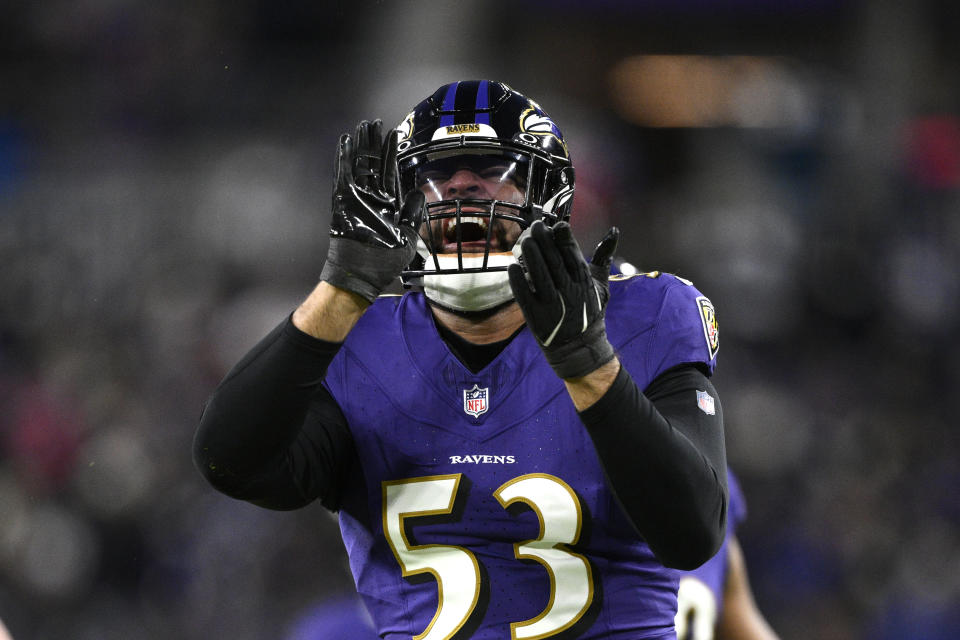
(740, 618)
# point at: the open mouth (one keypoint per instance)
(472, 231)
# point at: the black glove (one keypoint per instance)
(372, 237)
(563, 299)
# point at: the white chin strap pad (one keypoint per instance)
(469, 291)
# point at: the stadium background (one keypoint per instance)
(165, 176)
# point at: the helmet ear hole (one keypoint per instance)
(526, 138)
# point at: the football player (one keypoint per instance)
(516, 446)
(715, 601)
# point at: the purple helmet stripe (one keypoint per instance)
(483, 102)
(449, 104)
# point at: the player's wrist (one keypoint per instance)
(329, 312)
(363, 269)
(583, 354)
(587, 390)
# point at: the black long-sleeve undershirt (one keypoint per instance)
(273, 435)
(665, 459)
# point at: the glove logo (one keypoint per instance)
(475, 400)
(711, 330)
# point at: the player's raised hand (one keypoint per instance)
(373, 228)
(563, 298)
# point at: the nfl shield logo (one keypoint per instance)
(475, 400)
(705, 402)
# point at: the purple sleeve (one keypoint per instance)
(686, 331)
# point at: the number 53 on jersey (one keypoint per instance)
(456, 568)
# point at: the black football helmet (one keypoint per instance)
(490, 162)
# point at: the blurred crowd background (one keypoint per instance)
(165, 175)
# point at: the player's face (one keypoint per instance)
(479, 177)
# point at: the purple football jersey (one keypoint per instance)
(481, 508)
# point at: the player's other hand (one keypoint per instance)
(373, 229)
(563, 298)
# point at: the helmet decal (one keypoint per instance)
(470, 129)
(536, 122)
(405, 128)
